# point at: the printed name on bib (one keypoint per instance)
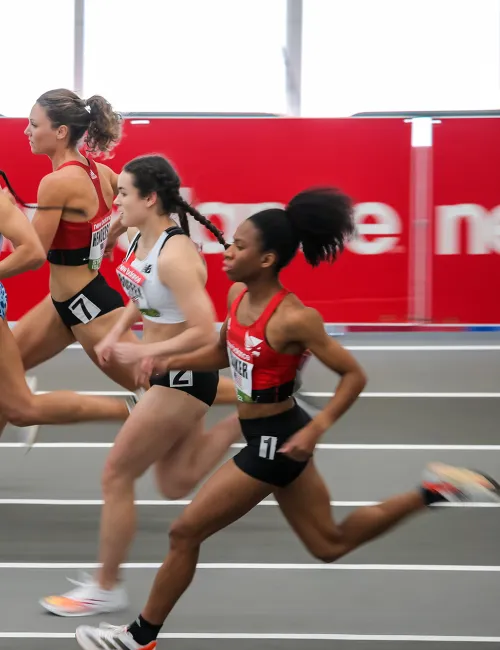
(241, 372)
(132, 280)
(100, 231)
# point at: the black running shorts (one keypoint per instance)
(95, 299)
(264, 436)
(202, 385)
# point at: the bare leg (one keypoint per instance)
(22, 408)
(161, 417)
(226, 496)
(306, 505)
(194, 456)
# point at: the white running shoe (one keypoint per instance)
(110, 637)
(28, 435)
(87, 599)
(460, 484)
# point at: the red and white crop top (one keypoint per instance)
(83, 242)
(260, 374)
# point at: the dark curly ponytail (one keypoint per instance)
(320, 219)
(155, 174)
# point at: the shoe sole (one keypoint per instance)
(93, 612)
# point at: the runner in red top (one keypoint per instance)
(81, 305)
(263, 339)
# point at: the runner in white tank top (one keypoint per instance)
(164, 275)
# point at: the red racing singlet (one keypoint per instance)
(260, 374)
(83, 242)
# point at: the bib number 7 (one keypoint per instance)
(84, 309)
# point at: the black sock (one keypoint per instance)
(143, 632)
(430, 496)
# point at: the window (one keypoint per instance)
(383, 55)
(36, 50)
(194, 55)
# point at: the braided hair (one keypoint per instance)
(154, 173)
(35, 206)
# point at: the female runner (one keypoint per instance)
(265, 318)
(165, 277)
(81, 305)
(17, 402)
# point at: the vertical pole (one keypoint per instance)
(421, 221)
(79, 28)
(293, 56)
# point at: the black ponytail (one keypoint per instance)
(155, 174)
(321, 220)
(34, 206)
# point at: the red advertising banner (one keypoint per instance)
(465, 269)
(231, 168)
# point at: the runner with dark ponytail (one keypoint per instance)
(165, 277)
(263, 340)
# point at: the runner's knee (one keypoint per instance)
(116, 477)
(184, 533)
(21, 414)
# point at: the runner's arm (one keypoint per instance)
(28, 252)
(307, 327)
(129, 317)
(210, 357)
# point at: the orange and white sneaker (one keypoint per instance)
(86, 599)
(458, 484)
(110, 637)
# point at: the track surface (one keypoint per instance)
(434, 579)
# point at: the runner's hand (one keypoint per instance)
(129, 353)
(104, 349)
(299, 447)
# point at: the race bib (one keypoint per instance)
(100, 231)
(241, 372)
(132, 281)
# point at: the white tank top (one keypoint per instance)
(141, 283)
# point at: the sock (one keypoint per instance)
(431, 496)
(144, 632)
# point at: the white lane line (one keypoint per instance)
(249, 566)
(123, 394)
(416, 395)
(276, 636)
(327, 446)
(186, 502)
(395, 348)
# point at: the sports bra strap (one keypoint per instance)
(272, 306)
